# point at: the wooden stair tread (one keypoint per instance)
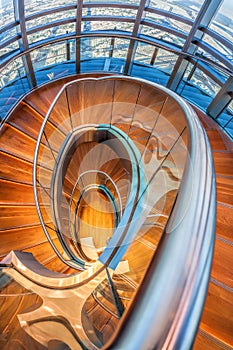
(13, 216)
(225, 189)
(223, 262)
(8, 165)
(217, 318)
(224, 221)
(16, 193)
(21, 238)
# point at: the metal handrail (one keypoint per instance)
(108, 177)
(177, 279)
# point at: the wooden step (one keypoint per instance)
(17, 143)
(8, 166)
(14, 216)
(217, 318)
(223, 263)
(224, 221)
(21, 238)
(13, 193)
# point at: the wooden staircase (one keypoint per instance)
(20, 227)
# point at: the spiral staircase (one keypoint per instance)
(92, 172)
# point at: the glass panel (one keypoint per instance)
(199, 88)
(107, 50)
(165, 61)
(14, 300)
(47, 55)
(162, 35)
(107, 25)
(135, 2)
(160, 67)
(144, 53)
(222, 23)
(8, 34)
(218, 46)
(205, 83)
(6, 12)
(48, 61)
(50, 18)
(95, 47)
(9, 48)
(14, 84)
(164, 20)
(185, 9)
(51, 32)
(121, 48)
(12, 72)
(39, 5)
(109, 11)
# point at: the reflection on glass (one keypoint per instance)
(166, 21)
(204, 82)
(165, 60)
(95, 47)
(9, 48)
(51, 18)
(223, 21)
(164, 36)
(144, 53)
(13, 71)
(135, 2)
(223, 49)
(32, 6)
(6, 12)
(48, 55)
(106, 25)
(51, 32)
(109, 11)
(187, 9)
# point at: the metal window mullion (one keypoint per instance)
(204, 17)
(23, 41)
(131, 49)
(154, 56)
(78, 33)
(221, 100)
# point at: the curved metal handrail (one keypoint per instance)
(108, 177)
(187, 243)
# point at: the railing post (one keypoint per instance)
(132, 44)
(23, 42)
(78, 33)
(222, 99)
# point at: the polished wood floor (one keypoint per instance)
(20, 227)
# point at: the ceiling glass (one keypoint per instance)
(134, 2)
(223, 23)
(32, 6)
(56, 16)
(188, 8)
